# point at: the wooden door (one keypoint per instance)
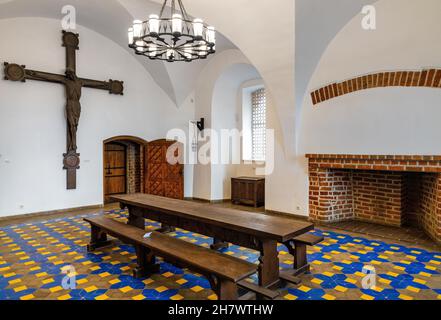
(163, 179)
(114, 170)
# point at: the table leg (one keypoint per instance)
(136, 220)
(298, 251)
(268, 264)
(166, 228)
(98, 239)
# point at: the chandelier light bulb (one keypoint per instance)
(211, 35)
(130, 33)
(177, 24)
(153, 24)
(198, 27)
(137, 28)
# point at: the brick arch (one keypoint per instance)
(430, 78)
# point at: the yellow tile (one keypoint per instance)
(81, 281)
(425, 274)
(385, 281)
(35, 268)
(439, 297)
(317, 281)
(94, 268)
(341, 289)
(126, 289)
(114, 281)
(328, 297)
(197, 289)
(337, 268)
(65, 297)
(14, 281)
(304, 288)
(168, 274)
(138, 297)
(353, 281)
(419, 281)
(378, 289)
(86, 263)
(55, 289)
(21, 288)
(90, 289)
(317, 262)
(413, 289)
(435, 262)
(405, 297)
(148, 281)
(393, 274)
(405, 262)
(125, 268)
(399, 268)
(432, 268)
(177, 297)
(367, 297)
(104, 274)
(27, 297)
(181, 281)
(101, 297)
(290, 297)
(328, 274)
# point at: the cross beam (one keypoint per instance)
(73, 86)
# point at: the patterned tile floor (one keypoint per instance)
(32, 257)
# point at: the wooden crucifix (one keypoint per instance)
(73, 86)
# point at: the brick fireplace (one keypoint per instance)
(389, 190)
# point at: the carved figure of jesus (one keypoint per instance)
(73, 108)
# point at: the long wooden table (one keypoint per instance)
(247, 229)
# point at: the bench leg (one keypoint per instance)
(268, 264)
(298, 251)
(146, 263)
(98, 239)
(226, 290)
(166, 229)
(219, 244)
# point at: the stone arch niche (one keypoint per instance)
(123, 166)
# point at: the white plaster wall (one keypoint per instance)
(32, 124)
(226, 115)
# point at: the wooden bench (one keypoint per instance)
(222, 271)
(297, 248)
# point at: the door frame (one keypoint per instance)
(125, 138)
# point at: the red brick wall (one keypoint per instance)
(377, 196)
(431, 205)
(425, 78)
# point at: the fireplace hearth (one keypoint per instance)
(396, 191)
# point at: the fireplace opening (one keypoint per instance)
(378, 190)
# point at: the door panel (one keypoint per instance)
(163, 179)
(114, 170)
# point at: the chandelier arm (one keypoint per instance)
(163, 8)
(183, 10)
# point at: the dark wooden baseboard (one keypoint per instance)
(49, 213)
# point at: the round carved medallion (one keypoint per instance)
(116, 87)
(14, 72)
(70, 39)
(71, 160)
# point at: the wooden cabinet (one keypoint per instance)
(248, 191)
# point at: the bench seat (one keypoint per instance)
(222, 271)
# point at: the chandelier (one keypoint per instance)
(173, 38)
